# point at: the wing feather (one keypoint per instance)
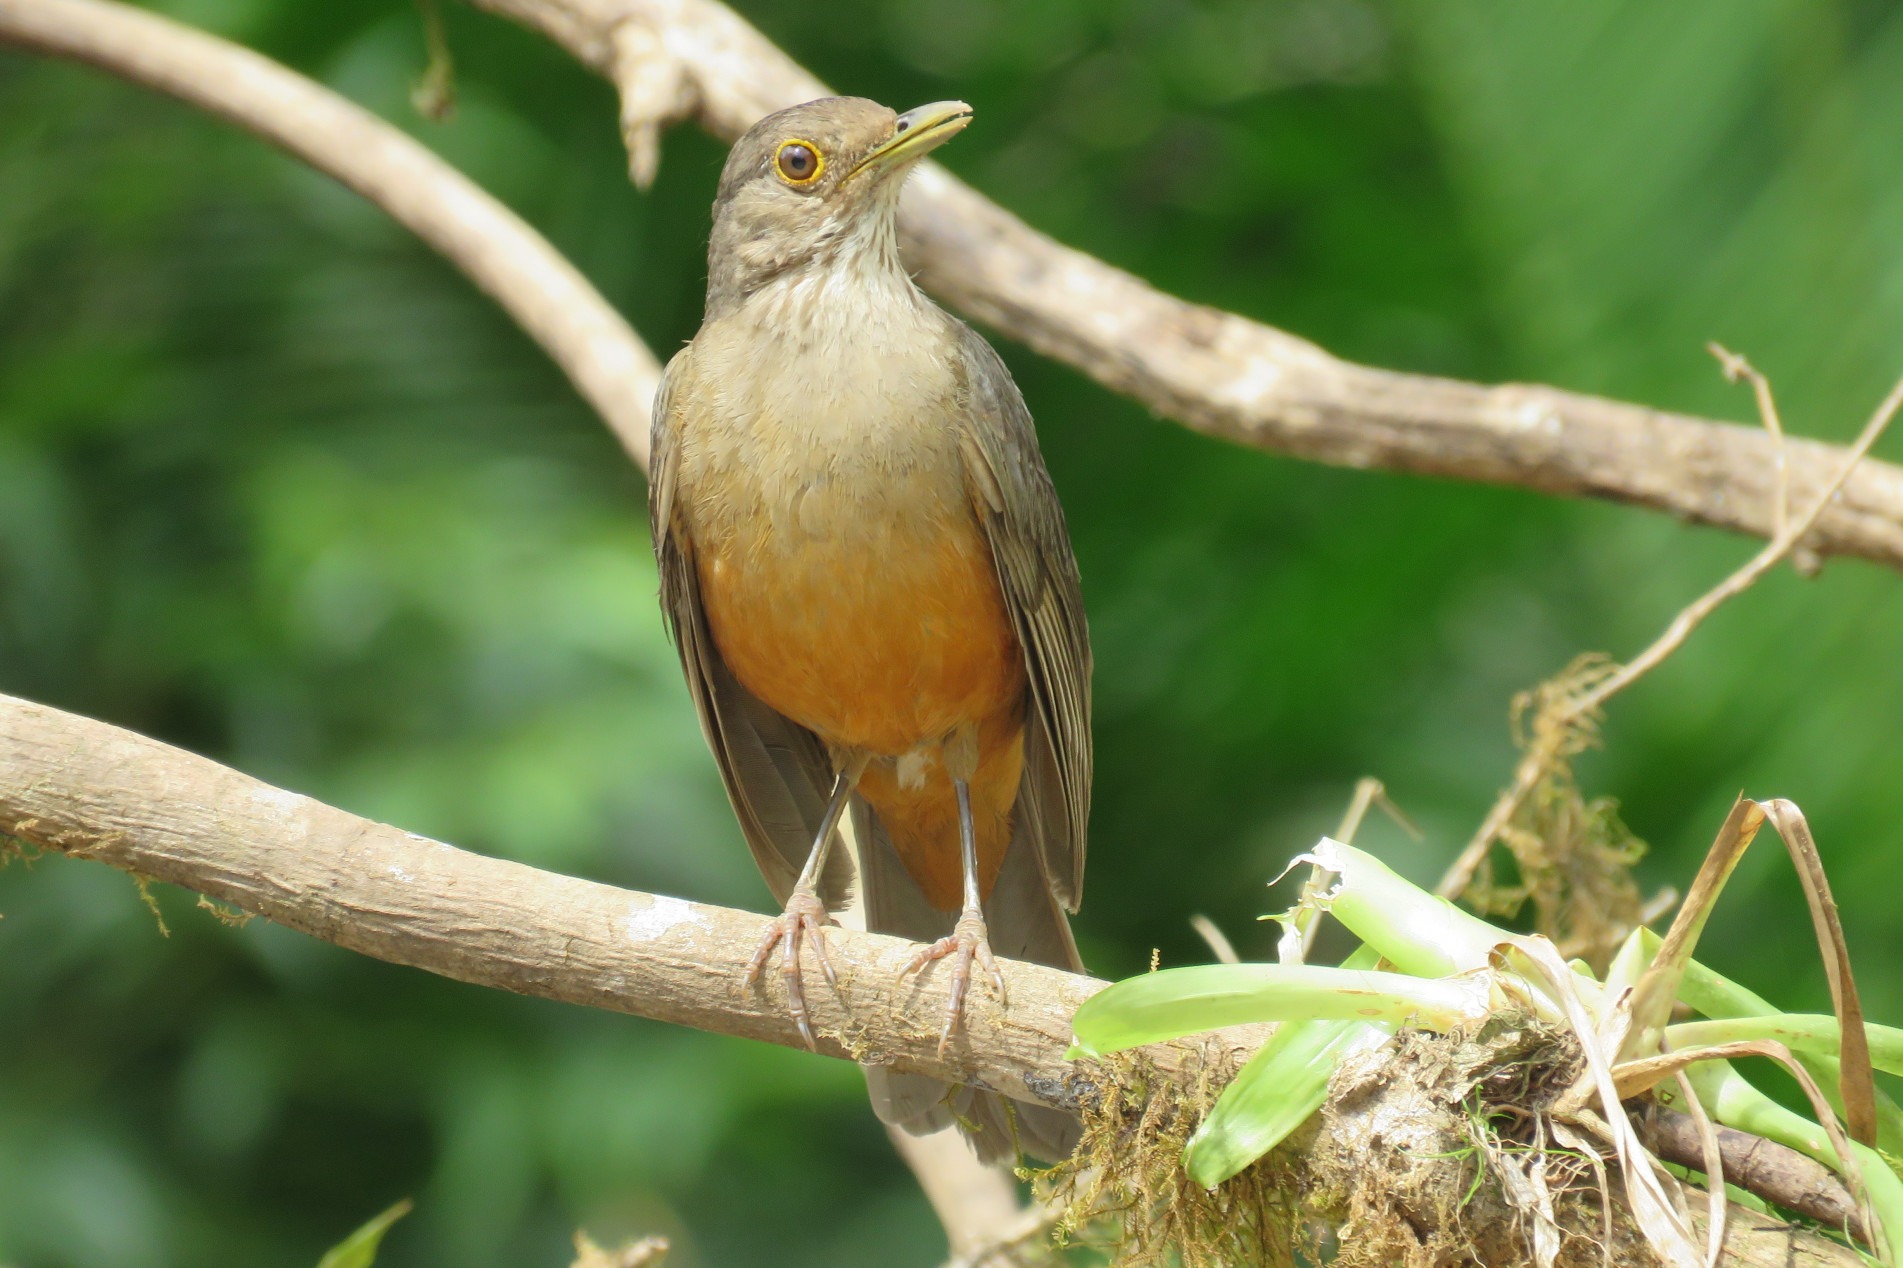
(777, 773)
(1030, 546)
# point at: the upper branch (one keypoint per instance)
(533, 283)
(1215, 371)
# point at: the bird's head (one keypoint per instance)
(814, 185)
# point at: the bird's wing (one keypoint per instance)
(1018, 508)
(777, 773)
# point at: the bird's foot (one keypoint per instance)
(804, 914)
(967, 941)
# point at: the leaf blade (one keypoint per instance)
(359, 1250)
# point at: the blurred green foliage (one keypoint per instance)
(279, 486)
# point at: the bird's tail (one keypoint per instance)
(1025, 923)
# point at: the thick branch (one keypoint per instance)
(1215, 371)
(94, 791)
(1750, 1162)
(533, 283)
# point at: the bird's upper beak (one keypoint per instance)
(919, 132)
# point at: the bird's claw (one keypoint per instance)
(804, 914)
(967, 941)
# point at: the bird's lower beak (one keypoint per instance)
(919, 132)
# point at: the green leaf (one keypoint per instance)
(1273, 1094)
(1176, 1002)
(1414, 930)
(1276, 1091)
(359, 1250)
(1815, 1033)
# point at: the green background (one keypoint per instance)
(277, 485)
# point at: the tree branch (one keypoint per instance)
(94, 791)
(976, 1204)
(1217, 372)
(513, 264)
(1810, 1187)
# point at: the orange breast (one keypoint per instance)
(883, 642)
(880, 645)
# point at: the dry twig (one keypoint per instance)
(1567, 719)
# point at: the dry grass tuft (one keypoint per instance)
(1125, 1191)
(1574, 857)
(1436, 1152)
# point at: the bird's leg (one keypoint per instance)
(805, 913)
(968, 939)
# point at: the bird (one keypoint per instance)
(869, 579)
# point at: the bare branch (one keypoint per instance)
(534, 284)
(1221, 373)
(1753, 1163)
(1216, 372)
(93, 791)
(977, 1204)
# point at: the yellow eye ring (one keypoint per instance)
(799, 162)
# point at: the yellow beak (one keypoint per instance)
(919, 132)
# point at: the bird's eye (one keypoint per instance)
(799, 162)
